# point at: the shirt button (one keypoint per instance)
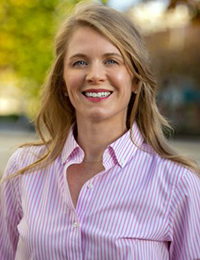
(90, 185)
(75, 224)
(107, 156)
(121, 162)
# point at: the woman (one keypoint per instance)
(103, 183)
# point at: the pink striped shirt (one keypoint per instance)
(141, 207)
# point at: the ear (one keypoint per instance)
(135, 85)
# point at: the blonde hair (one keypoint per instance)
(57, 114)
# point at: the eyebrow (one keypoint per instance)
(77, 55)
(113, 54)
(81, 55)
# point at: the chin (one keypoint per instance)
(98, 116)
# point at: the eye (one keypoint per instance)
(111, 61)
(79, 63)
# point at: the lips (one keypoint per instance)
(97, 93)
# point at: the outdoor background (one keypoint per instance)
(171, 30)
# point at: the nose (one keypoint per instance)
(96, 73)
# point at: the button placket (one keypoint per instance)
(75, 224)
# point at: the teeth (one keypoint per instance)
(98, 95)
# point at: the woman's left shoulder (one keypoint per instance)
(189, 181)
(172, 170)
(183, 176)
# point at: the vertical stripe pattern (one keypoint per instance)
(140, 207)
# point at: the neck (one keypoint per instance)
(94, 138)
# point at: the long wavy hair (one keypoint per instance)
(57, 114)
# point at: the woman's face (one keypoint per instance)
(98, 82)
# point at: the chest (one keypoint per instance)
(117, 211)
(78, 175)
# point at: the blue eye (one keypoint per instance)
(111, 62)
(79, 63)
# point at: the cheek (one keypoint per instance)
(122, 77)
(73, 81)
(125, 82)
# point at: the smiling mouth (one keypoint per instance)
(97, 94)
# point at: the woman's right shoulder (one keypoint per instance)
(24, 156)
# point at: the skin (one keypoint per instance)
(93, 62)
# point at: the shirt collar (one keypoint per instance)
(70, 147)
(123, 148)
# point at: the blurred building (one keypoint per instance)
(172, 33)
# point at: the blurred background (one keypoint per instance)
(171, 30)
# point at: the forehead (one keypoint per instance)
(88, 39)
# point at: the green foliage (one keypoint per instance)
(27, 28)
(26, 38)
(104, 2)
(10, 118)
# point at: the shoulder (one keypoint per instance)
(23, 157)
(170, 173)
(188, 186)
(163, 165)
(176, 170)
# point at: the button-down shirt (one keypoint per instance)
(141, 207)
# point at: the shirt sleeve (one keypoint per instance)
(9, 213)
(185, 219)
